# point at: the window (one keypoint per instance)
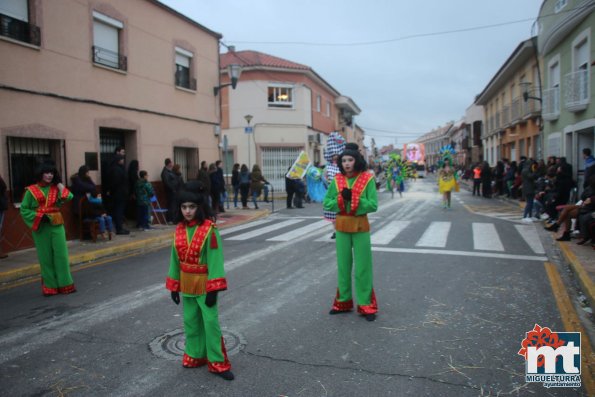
(227, 157)
(183, 75)
(280, 96)
(25, 154)
(576, 83)
(318, 103)
(15, 22)
(187, 158)
(328, 109)
(106, 42)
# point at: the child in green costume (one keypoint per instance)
(40, 210)
(196, 270)
(352, 195)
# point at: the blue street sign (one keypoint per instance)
(248, 130)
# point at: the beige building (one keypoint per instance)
(79, 78)
(290, 107)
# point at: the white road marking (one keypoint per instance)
(301, 231)
(244, 226)
(435, 235)
(485, 237)
(529, 234)
(386, 234)
(263, 230)
(459, 253)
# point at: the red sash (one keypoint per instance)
(46, 205)
(189, 254)
(359, 185)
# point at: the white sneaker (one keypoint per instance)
(544, 216)
(535, 219)
(527, 220)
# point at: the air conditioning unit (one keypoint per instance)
(319, 138)
(311, 138)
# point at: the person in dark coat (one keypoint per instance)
(529, 176)
(564, 182)
(290, 189)
(245, 178)
(168, 179)
(81, 184)
(117, 192)
(235, 183)
(203, 177)
(486, 180)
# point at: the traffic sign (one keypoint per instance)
(248, 130)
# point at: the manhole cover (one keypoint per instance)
(171, 345)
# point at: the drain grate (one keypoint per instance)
(170, 345)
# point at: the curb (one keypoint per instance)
(584, 280)
(156, 242)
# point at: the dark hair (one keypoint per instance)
(192, 195)
(47, 166)
(351, 149)
(119, 148)
(244, 168)
(587, 151)
(236, 166)
(218, 162)
(83, 169)
(142, 174)
(167, 161)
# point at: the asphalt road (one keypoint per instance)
(457, 291)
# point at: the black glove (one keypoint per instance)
(211, 298)
(175, 296)
(57, 178)
(346, 193)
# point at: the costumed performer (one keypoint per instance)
(447, 179)
(396, 172)
(335, 145)
(40, 210)
(352, 196)
(196, 270)
(316, 188)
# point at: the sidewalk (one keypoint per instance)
(24, 263)
(580, 258)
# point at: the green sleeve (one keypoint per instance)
(213, 257)
(150, 191)
(330, 200)
(174, 264)
(368, 201)
(28, 209)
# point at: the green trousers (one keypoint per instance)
(50, 243)
(356, 246)
(203, 334)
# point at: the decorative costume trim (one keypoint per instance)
(172, 285)
(371, 308)
(342, 306)
(69, 289)
(216, 284)
(190, 362)
(359, 185)
(46, 205)
(218, 367)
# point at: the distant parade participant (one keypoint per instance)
(40, 209)
(334, 147)
(396, 172)
(352, 195)
(447, 177)
(196, 270)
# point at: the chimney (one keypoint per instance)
(231, 48)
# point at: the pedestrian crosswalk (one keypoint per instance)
(474, 236)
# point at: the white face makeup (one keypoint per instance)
(188, 210)
(348, 163)
(47, 177)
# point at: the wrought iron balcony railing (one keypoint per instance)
(576, 90)
(185, 81)
(109, 58)
(19, 30)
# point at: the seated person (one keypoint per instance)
(92, 208)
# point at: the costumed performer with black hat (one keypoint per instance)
(196, 270)
(40, 209)
(352, 195)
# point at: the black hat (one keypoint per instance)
(186, 196)
(352, 149)
(44, 167)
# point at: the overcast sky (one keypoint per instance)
(392, 57)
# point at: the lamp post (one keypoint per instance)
(248, 131)
(233, 71)
(526, 96)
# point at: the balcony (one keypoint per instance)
(108, 58)
(183, 80)
(18, 30)
(576, 91)
(551, 104)
(506, 116)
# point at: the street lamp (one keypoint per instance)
(247, 130)
(526, 96)
(233, 71)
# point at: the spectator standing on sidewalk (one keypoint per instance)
(589, 166)
(144, 191)
(509, 178)
(486, 180)
(257, 181)
(203, 177)
(3, 208)
(40, 209)
(477, 179)
(529, 175)
(235, 183)
(196, 270)
(352, 195)
(168, 179)
(289, 189)
(244, 185)
(220, 185)
(117, 191)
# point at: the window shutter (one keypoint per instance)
(182, 60)
(105, 36)
(15, 8)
